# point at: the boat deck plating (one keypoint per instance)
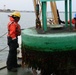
(21, 71)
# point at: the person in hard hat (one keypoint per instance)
(73, 21)
(14, 30)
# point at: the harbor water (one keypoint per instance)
(27, 20)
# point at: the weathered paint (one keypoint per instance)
(48, 42)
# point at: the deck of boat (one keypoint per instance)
(21, 71)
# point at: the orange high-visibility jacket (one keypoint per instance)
(73, 21)
(13, 29)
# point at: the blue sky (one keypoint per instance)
(28, 5)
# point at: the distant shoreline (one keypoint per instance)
(33, 11)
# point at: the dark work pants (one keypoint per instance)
(12, 56)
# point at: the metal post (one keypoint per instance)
(66, 13)
(44, 18)
(70, 13)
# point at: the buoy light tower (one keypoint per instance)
(44, 17)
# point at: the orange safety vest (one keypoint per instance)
(13, 29)
(73, 21)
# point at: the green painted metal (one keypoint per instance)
(44, 19)
(48, 42)
(44, 16)
(59, 45)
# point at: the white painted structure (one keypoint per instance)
(19, 55)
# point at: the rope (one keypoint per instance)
(3, 48)
(6, 33)
(6, 46)
(3, 35)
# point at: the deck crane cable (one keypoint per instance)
(3, 48)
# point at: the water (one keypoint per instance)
(27, 20)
